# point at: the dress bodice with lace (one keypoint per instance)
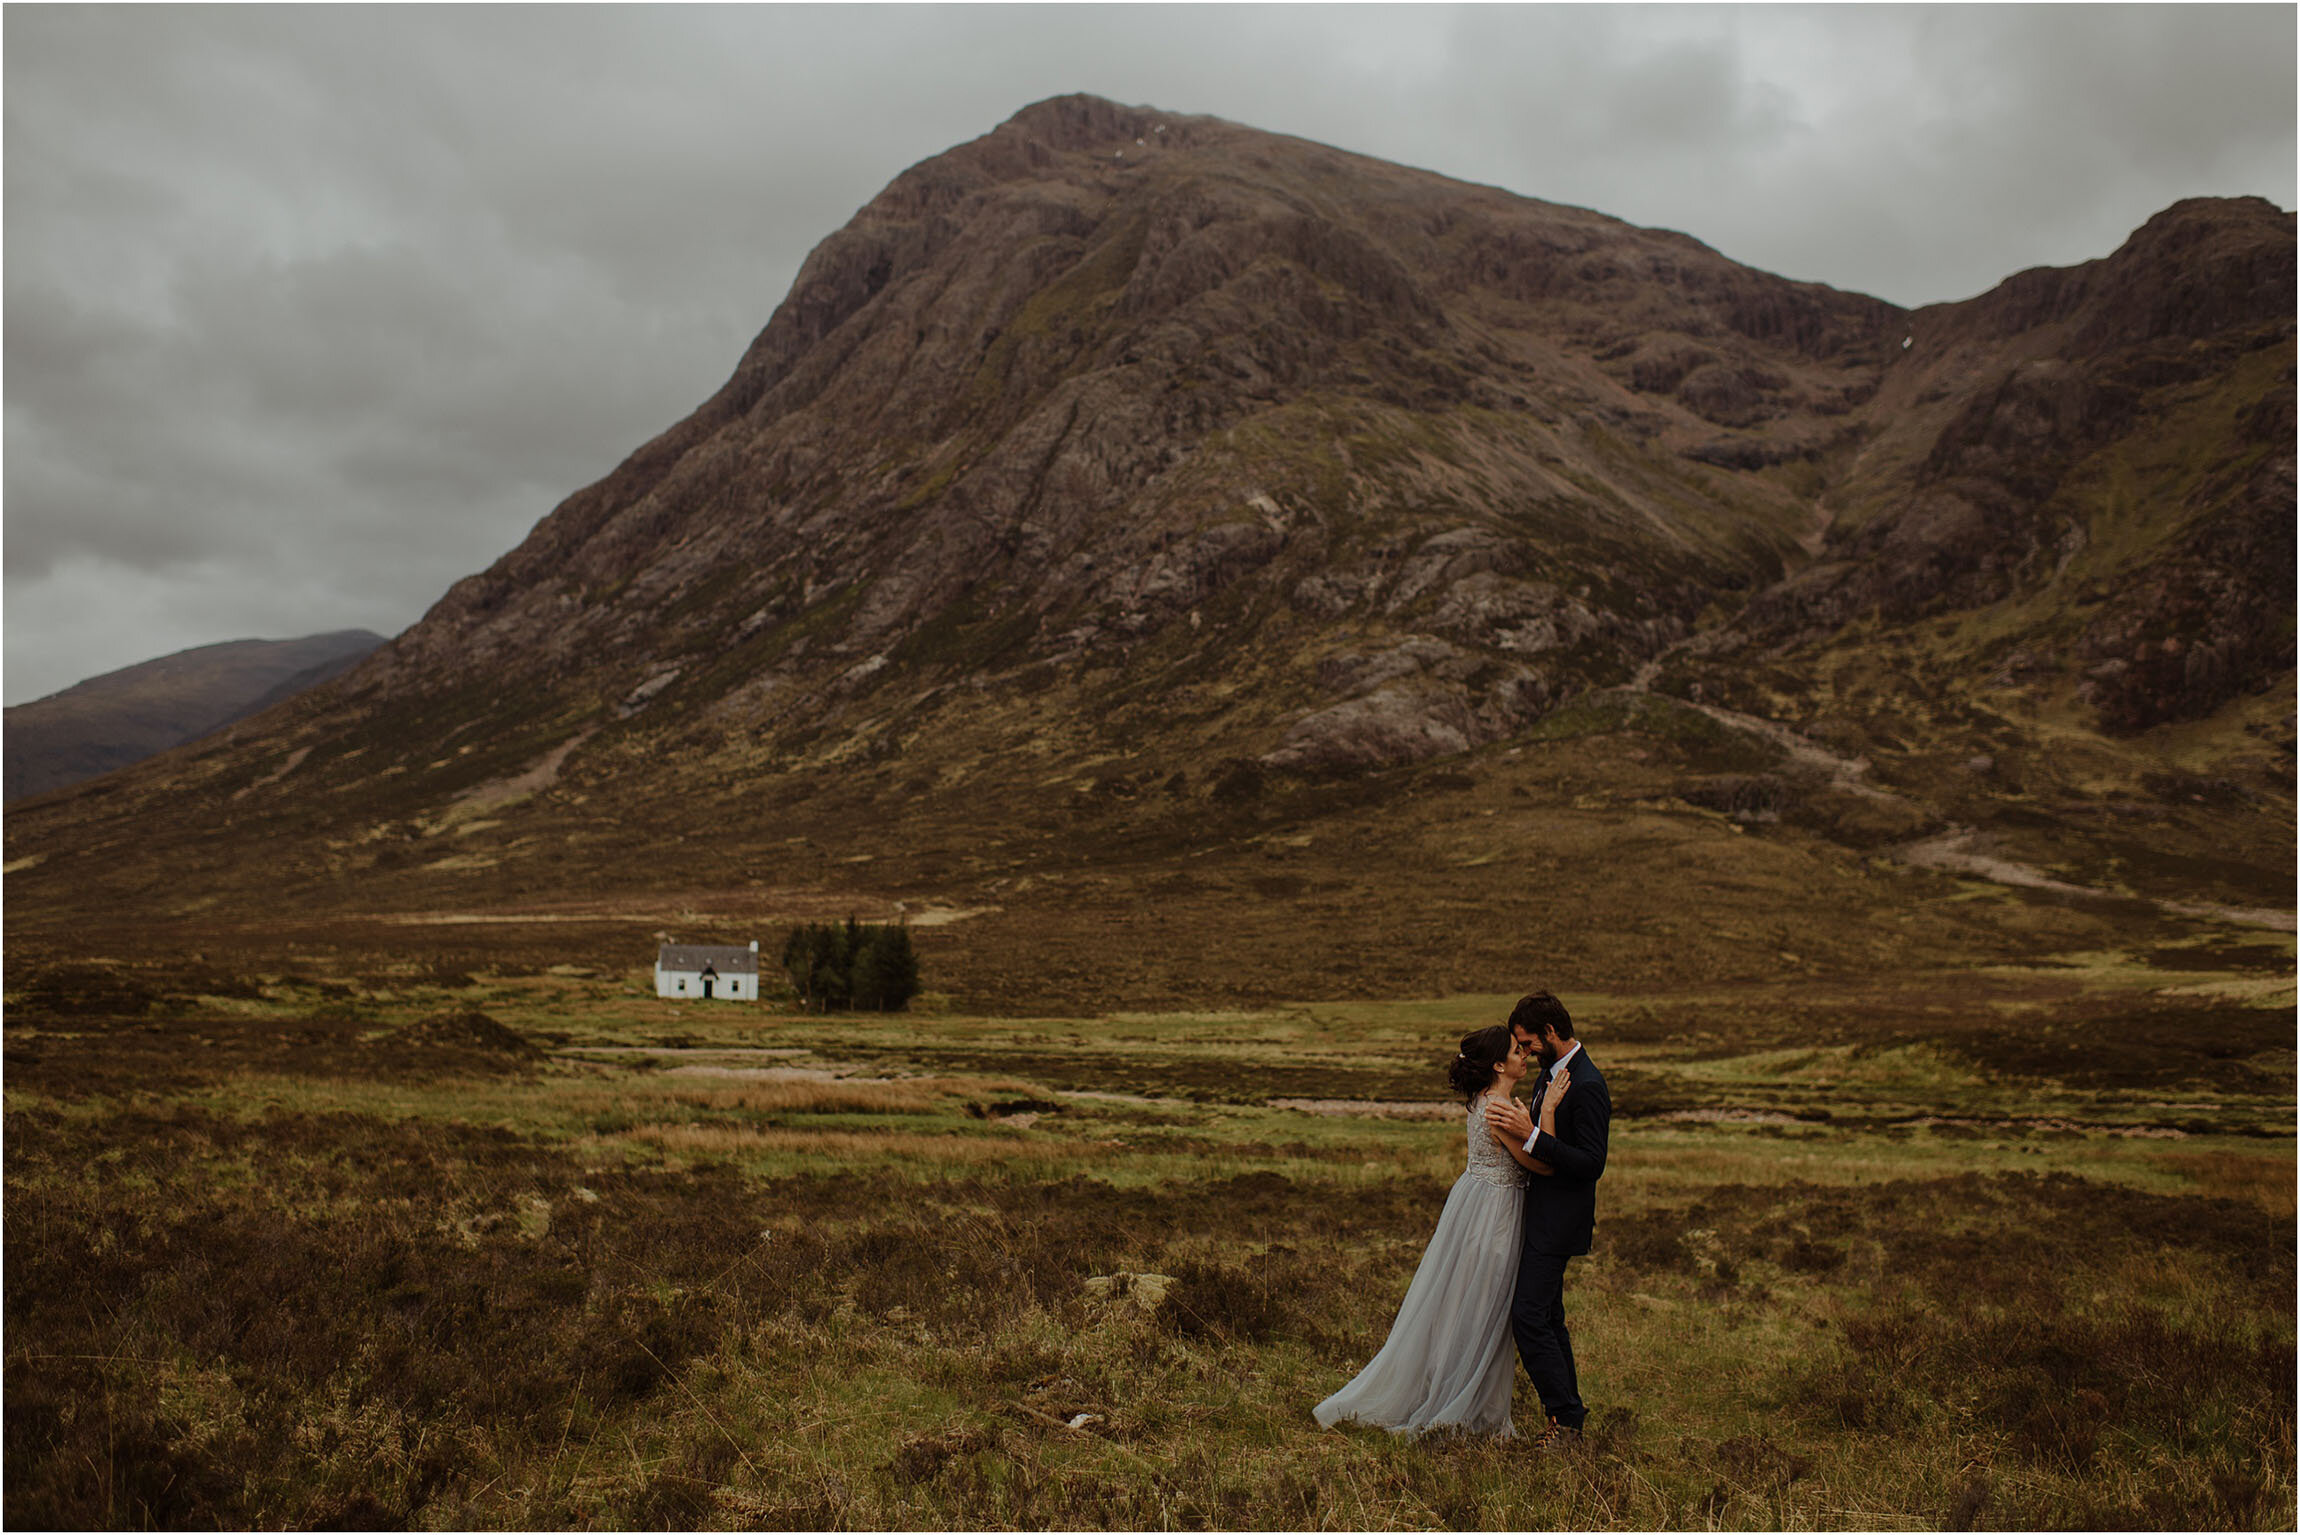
(1489, 1160)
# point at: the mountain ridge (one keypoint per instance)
(1203, 478)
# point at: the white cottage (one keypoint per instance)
(706, 971)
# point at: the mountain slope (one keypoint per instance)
(2125, 428)
(1124, 490)
(124, 716)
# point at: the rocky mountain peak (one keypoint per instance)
(1005, 373)
(1090, 123)
(2202, 266)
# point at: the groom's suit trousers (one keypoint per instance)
(1537, 1318)
(1560, 1217)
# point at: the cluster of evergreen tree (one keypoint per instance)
(862, 966)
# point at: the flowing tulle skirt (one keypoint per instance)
(1449, 1362)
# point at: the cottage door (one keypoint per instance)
(710, 976)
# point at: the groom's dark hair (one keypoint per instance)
(1541, 1014)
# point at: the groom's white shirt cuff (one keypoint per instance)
(1553, 1071)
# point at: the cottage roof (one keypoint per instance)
(725, 959)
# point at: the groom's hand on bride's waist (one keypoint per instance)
(1509, 1117)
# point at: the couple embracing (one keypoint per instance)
(1494, 1271)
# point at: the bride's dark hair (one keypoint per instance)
(1472, 1071)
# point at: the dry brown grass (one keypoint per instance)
(600, 1295)
(845, 1147)
(2267, 1179)
(1414, 883)
(266, 1320)
(913, 1095)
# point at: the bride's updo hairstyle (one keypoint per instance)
(1472, 1071)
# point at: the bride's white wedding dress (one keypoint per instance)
(1449, 1362)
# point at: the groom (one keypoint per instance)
(1560, 1210)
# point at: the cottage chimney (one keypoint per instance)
(754, 946)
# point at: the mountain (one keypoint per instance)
(1105, 372)
(1135, 524)
(2118, 435)
(124, 716)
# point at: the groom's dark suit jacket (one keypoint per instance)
(1561, 1210)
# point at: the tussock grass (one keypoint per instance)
(2265, 1179)
(282, 1278)
(693, 1140)
(917, 1095)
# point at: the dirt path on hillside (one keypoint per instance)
(1846, 773)
(1961, 850)
(1843, 772)
(538, 775)
(1964, 850)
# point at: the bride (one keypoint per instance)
(1448, 1363)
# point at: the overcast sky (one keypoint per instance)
(311, 311)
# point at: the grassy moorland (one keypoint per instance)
(1993, 1247)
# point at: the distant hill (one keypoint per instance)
(1227, 567)
(107, 722)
